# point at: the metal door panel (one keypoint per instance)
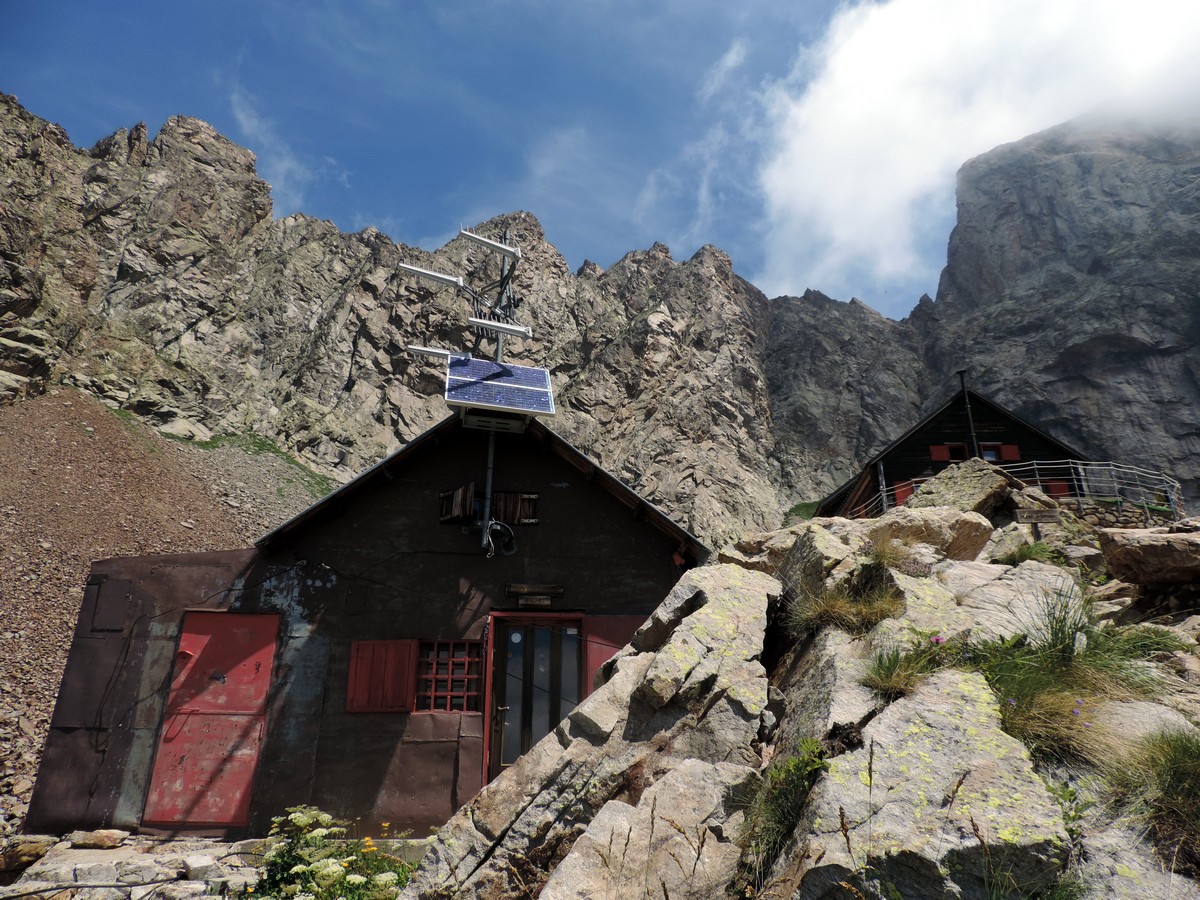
(223, 664)
(213, 725)
(204, 770)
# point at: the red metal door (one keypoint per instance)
(213, 723)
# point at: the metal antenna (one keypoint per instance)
(493, 307)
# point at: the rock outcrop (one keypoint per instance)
(150, 271)
(653, 786)
(1070, 288)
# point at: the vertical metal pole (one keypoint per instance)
(487, 490)
(883, 496)
(1078, 480)
(962, 377)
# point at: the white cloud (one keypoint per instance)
(288, 175)
(729, 62)
(872, 124)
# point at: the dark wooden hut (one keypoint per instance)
(373, 656)
(966, 425)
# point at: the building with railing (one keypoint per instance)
(970, 425)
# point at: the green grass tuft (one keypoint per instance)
(774, 810)
(1163, 776)
(854, 611)
(801, 512)
(895, 672)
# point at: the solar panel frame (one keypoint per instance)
(486, 384)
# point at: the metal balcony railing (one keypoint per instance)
(1070, 480)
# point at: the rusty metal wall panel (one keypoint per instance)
(95, 758)
(204, 770)
(109, 607)
(287, 763)
(91, 680)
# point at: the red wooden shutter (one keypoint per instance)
(904, 490)
(939, 452)
(1010, 453)
(381, 676)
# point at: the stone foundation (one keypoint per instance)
(1117, 513)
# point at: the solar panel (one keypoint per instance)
(484, 384)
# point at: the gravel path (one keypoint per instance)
(79, 483)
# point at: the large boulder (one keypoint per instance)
(1153, 555)
(1000, 601)
(971, 486)
(690, 689)
(938, 801)
(954, 534)
(677, 841)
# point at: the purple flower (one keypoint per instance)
(1079, 701)
(1087, 724)
(1074, 712)
(1012, 702)
(937, 639)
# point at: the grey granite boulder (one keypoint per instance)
(938, 802)
(679, 840)
(690, 689)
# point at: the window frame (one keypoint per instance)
(434, 691)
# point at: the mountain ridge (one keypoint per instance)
(151, 273)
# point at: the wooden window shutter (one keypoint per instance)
(514, 508)
(382, 675)
(939, 452)
(1010, 453)
(459, 505)
(527, 511)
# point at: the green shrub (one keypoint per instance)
(309, 858)
(774, 810)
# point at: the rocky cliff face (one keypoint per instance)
(151, 273)
(1071, 289)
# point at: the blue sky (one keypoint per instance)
(815, 141)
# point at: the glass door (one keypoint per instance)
(536, 682)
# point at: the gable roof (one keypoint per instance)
(384, 470)
(838, 493)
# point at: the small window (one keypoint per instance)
(948, 452)
(990, 452)
(450, 676)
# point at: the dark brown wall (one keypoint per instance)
(910, 458)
